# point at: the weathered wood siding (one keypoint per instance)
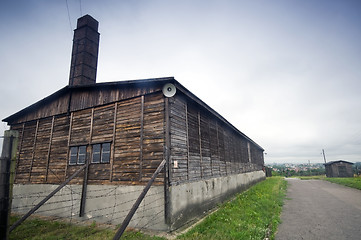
(26, 151)
(202, 146)
(134, 127)
(40, 151)
(127, 145)
(153, 136)
(339, 169)
(46, 109)
(58, 149)
(70, 100)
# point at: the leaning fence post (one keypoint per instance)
(23, 218)
(7, 172)
(137, 202)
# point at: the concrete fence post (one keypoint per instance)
(7, 173)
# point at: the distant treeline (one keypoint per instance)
(320, 170)
(289, 173)
(357, 168)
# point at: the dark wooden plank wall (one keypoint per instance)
(83, 98)
(204, 147)
(127, 145)
(134, 127)
(48, 109)
(179, 139)
(26, 151)
(20, 129)
(41, 146)
(58, 149)
(153, 136)
(102, 131)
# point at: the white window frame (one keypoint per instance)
(102, 153)
(77, 153)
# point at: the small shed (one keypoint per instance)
(339, 168)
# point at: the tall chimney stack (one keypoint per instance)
(84, 57)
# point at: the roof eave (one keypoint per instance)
(22, 112)
(68, 88)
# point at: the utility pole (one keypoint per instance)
(324, 157)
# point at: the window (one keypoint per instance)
(77, 155)
(96, 153)
(101, 153)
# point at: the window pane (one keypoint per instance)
(82, 155)
(73, 155)
(106, 147)
(105, 152)
(96, 153)
(105, 157)
(96, 148)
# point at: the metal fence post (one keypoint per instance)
(84, 189)
(7, 172)
(127, 219)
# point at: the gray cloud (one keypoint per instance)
(285, 73)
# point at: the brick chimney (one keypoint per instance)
(84, 57)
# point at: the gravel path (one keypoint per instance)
(316, 209)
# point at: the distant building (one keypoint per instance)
(339, 169)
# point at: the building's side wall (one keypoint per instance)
(334, 170)
(105, 203)
(134, 128)
(328, 170)
(209, 161)
(203, 147)
(191, 200)
(349, 170)
(82, 98)
(47, 109)
(339, 169)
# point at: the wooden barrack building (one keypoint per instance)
(125, 129)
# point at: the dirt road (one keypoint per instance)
(316, 209)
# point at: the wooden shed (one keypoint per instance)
(339, 168)
(125, 129)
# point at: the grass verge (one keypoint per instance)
(254, 214)
(318, 177)
(354, 182)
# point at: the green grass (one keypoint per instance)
(36, 229)
(254, 214)
(318, 177)
(354, 182)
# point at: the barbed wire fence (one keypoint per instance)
(105, 204)
(141, 206)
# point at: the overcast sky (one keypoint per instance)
(285, 73)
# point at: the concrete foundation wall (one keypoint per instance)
(191, 200)
(105, 203)
(111, 203)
